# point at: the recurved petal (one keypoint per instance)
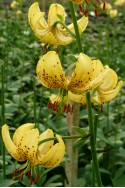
(54, 11)
(97, 81)
(55, 155)
(34, 8)
(45, 147)
(105, 96)
(10, 146)
(82, 24)
(80, 98)
(61, 37)
(29, 144)
(49, 71)
(20, 131)
(82, 74)
(98, 68)
(109, 82)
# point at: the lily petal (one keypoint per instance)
(49, 71)
(109, 82)
(20, 131)
(61, 37)
(10, 146)
(45, 147)
(82, 24)
(54, 11)
(98, 68)
(54, 155)
(109, 95)
(29, 144)
(82, 74)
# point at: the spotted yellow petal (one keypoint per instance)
(98, 68)
(82, 74)
(10, 146)
(45, 147)
(97, 81)
(34, 8)
(20, 131)
(105, 96)
(54, 11)
(54, 155)
(49, 71)
(109, 82)
(29, 143)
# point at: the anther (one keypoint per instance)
(37, 178)
(31, 180)
(104, 5)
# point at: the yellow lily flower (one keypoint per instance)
(51, 75)
(25, 147)
(47, 32)
(106, 91)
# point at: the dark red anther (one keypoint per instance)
(64, 109)
(31, 180)
(49, 104)
(96, 12)
(104, 5)
(29, 174)
(68, 108)
(15, 172)
(83, 11)
(55, 106)
(21, 174)
(37, 178)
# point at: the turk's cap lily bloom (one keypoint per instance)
(82, 80)
(26, 146)
(106, 91)
(49, 33)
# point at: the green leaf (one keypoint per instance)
(7, 182)
(80, 131)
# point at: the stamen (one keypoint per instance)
(49, 104)
(96, 12)
(31, 180)
(37, 178)
(83, 11)
(15, 172)
(104, 5)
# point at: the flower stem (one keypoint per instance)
(69, 31)
(92, 141)
(3, 113)
(34, 89)
(90, 116)
(78, 38)
(65, 137)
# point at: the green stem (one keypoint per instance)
(90, 116)
(92, 141)
(95, 125)
(34, 89)
(3, 113)
(78, 38)
(65, 137)
(69, 31)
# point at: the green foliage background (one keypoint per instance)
(20, 51)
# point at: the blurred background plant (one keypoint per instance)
(20, 51)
